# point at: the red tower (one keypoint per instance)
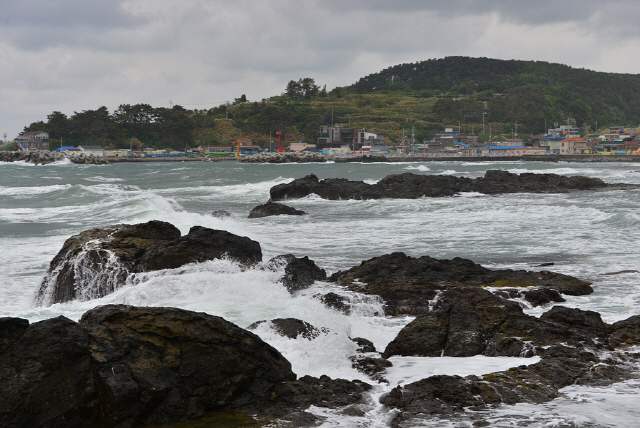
(279, 145)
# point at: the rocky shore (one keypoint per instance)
(125, 366)
(413, 186)
(287, 157)
(45, 157)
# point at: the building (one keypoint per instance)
(300, 146)
(92, 150)
(339, 135)
(34, 140)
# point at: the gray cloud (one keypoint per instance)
(70, 55)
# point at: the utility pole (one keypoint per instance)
(170, 104)
(483, 113)
(516, 129)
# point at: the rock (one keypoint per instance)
(560, 366)
(222, 214)
(335, 301)
(628, 331)
(408, 285)
(291, 328)
(199, 245)
(371, 366)
(285, 157)
(98, 261)
(364, 345)
(299, 273)
(273, 208)
(413, 186)
(468, 321)
(46, 375)
(155, 365)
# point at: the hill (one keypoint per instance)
(459, 92)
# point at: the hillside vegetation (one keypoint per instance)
(428, 95)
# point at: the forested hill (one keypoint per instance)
(527, 90)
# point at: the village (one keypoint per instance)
(344, 140)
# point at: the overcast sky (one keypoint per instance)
(74, 55)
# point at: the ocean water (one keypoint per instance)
(590, 235)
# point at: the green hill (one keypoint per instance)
(428, 95)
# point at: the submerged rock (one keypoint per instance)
(98, 261)
(408, 285)
(273, 208)
(413, 186)
(291, 328)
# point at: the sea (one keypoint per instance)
(592, 235)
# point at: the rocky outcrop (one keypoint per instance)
(41, 157)
(560, 366)
(98, 261)
(299, 272)
(124, 366)
(291, 328)
(285, 157)
(412, 186)
(274, 208)
(466, 321)
(408, 285)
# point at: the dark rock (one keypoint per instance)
(408, 285)
(371, 366)
(299, 273)
(542, 296)
(468, 321)
(10, 330)
(364, 345)
(412, 186)
(156, 365)
(98, 261)
(560, 366)
(222, 214)
(46, 375)
(335, 301)
(627, 331)
(322, 392)
(274, 208)
(199, 245)
(291, 328)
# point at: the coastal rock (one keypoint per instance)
(413, 186)
(560, 366)
(285, 157)
(291, 328)
(126, 366)
(98, 261)
(408, 285)
(46, 375)
(222, 214)
(155, 365)
(299, 272)
(274, 208)
(39, 157)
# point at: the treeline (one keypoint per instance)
(470, 94)
(527, 91)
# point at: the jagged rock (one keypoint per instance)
(273, 208)
(364, 345)
(374, 367)
(335, 301)
(97, 261)
(560, 366)
(628, 331)
(413, 186)
(408, 284)
(291, 328)
(299, 273)
(285, 157)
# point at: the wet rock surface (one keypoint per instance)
(96, 262)
(408, 285)
(413, 186)
(291, 328)
(299, 272)
(124, 366)
(286, 157)
(274, 208)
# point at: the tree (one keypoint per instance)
(304, 88)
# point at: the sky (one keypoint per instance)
(75, 55)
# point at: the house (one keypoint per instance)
(300, 146)
(576, 146)
(92, 150)
(338, 135)
(34, 140)
(246, 146)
